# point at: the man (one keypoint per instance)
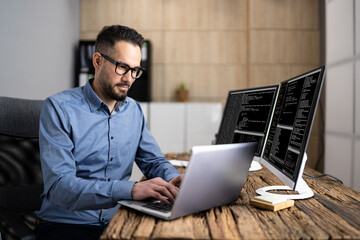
(89, 138)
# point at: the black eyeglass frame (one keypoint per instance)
(116, 63)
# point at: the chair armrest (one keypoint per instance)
(24, 198)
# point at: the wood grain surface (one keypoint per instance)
(333, 213)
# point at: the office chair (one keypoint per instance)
(20, 172)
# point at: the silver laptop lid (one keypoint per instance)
(214, 177)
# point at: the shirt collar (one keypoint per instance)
(94, 101)
(119, 104)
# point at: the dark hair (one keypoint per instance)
(109, 35)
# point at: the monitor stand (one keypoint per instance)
(255, 166)
(302, 188)
(304, 191)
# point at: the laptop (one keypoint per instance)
(214, 177)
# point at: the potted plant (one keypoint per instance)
(182, 94)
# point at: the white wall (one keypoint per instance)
(342, 134)
(37, 46)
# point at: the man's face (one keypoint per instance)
(111, 85)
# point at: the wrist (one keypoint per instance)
(133, 190)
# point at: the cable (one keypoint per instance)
(324, 175)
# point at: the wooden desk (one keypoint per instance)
(333, 212)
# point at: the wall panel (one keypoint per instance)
(356, 168)
(147, 15)
(338, 155)
(271, 46)
(95, 14)
(342, 89)
(357, 26)
(339, 30)
(357, 97)
(142, 15)
(268, 74)
(204, 81)
(205, 15)
(196, 16)
(339, 98)
(283, 14)
(205, 47)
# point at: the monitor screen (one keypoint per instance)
(291, 125)
(247, 116)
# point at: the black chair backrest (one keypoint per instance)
(19, 144)
(21, 181)
(20, 117)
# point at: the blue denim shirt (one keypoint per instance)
(87, 154)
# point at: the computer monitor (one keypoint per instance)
(285, 147)
(246, 118)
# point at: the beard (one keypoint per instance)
(110, 90)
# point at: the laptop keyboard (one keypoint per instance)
(159, 206)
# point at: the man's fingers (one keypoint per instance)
(173, 191)
(176, 181)
(155, 188)
(168, 190)
(164, 192)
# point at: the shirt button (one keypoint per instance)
(108, 179)
(111, 159)
(112, 137)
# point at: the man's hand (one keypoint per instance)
(155, 188)
(176, 181)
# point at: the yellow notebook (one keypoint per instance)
(271, 202)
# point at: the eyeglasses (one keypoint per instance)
(122, 68)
